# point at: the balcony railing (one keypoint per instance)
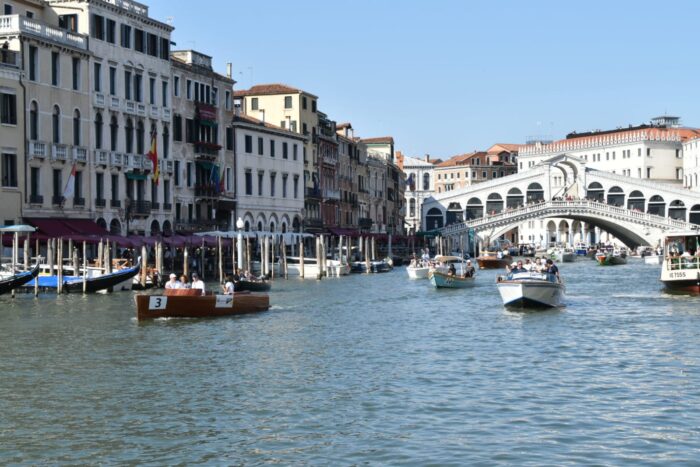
(57, 200)
(208, 191)
(331, 194)
(78, 201)
(155, 205)
(140, 208)
(141, 109)
(59, 152)
(80, 155)
(36, 199)
(101, 157)
(100, 202)
(167, 207)
(206, 149)
(365, 223)
(154, 111)
(167, 114)
(37, 150)
(114, 102)
(116, 159)
(130, 107)
(14, 24)
(200, 225)
(167, 166)
(115, 203)
(99, 99)
(312, 193)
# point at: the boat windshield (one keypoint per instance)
(682, 252)
(532, 275)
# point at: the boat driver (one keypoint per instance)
(469, 269)
(518, 268)
(552, 269)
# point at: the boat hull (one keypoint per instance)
(681, 279)
(568, 257)
(18, 280)
(198, 306)
(417, 273)
(492, 262)
(530, 294)
(445, 281)
(252, 286)
(610, 260)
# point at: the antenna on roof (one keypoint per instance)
(169, 20)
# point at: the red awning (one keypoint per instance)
(69, 228)
(344, 232)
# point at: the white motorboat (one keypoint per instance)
(680, 271)
(530, 290)
(417, 270)
(653, 259)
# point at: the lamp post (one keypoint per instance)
(239, 226)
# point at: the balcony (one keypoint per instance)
(78, 202)
(57, 200)
(141, 110)
(206, 151)
(101, 157)
(167, 166)
(37, 150)
(114, 102)
(100, 203)
(9, 58)
(116, 159)
(167, 114)
(154, 111)
(59, 152)
(313, 193)
(313, 223)
(206, 191)
(80, 155)
(140, 208)
(204, 225)
(16, 24)
(365, 223)
(36, 199)
(98, 99)
(130, 107)
(167, 207)
(115, 203)
(155, 205)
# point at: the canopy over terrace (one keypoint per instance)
(289, 237)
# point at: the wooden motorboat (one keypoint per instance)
(680, 270)
(189, 303)
(442, 280)
(374, 266)
(611, 257)
(490, 260)
(15, 281)
(530, 290)
(253, 286)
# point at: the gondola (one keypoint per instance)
(252, 286)
(9, 283)
(92, 284)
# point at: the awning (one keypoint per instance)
(345, 232)
(71, 228)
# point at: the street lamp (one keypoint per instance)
(239, 225)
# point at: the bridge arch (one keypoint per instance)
(454, 213)
(695, 214)
(595, 192)
(494, 203)
(636, 200)
(514, 198)
(434, 219)
(677, 210)
(475, 209)
(616, 196)
(657, 206)
(534, 193)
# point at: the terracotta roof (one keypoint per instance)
(379, 140)
(269, 90)
(500, 147)
(461, 159)
(254, 121)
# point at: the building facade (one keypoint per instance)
(12, 155)
(691, 164)
(419, 187)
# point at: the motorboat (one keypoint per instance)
(259, 285)
(581, 249)
(680, 270)
(493, 260)
(530, 290)
(375, 266)
(189, 303)
(562, 254)
(417, 269)
(442, 263)
(611, 257)
(441, 280)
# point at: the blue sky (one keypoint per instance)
(447, 77)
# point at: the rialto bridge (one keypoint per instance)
(584, 200)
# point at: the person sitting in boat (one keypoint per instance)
(469, 270)
(197, 283)
(517, 268)
(173, 283)
(451, 271)
(552, 269)
(184, 283)
(228, 286)
(528, 265)
(236, 276)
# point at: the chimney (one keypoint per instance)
(229, 70)
(427, 158)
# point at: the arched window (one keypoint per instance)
(412, 207)
(56, 124)
(534, 193)
(166, 141)
(76, 127)
(129, 129)
(475, 209)
(33, 121)
(98, 131)
(113, 133)
(140, 135)
(494, 203)
(426, 181)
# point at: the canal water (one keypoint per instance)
(371, 369)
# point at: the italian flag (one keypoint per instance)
(153, 156)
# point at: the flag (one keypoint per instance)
(153, 155)
(69, 190)
(411, 183)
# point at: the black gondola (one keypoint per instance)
(106, 281)
(252, 286)
(18, 280)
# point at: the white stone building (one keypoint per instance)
(691, 164)
(269, 176)
(419, 187)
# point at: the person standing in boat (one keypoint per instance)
(451, 271)
(469, 270)
(552, 269)
(228, 286)
(197, 283)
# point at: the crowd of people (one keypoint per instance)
(228, 287)
(538, 265)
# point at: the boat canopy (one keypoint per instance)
(449, 259)
(17, 228)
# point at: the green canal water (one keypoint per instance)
(365, 369)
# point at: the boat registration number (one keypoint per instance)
(157, 303)
(224, 301)
(676, 275)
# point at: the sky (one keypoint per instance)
(448, 77)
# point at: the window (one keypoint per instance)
(138, 87)
(99, 186)
(55, 68)
(189, 130)
(177, 127)
(33, 63)
(97, 77)
(152, 44)
(303, 102)
(139, 43)
(112, 81)
(111, 31)
(287, 102)
(260, 146)
(305, 129)
(127, 85)
(33, 121)
(176, 171)
(254, 103)
(285, 151)
(164, 89)
(229, 172)
(648, 172)
(648, 153)
(166, 141)
(189, 175)
(78, 189)
(273, 177)
(294, 152)
(76, 74)
(76, 128)
(125, 36)
(296, 186)
(113, 133)
(57, 183)
(115, 187)
(313, 106)
(227, 100)
(176, 86)
(98, 131)
(154, 192)
(164, 48)
(248, 144)
(248, 182)
(35, 184)
(188, 89)
(284, 185)
(56, 123)
(152, 91)
(9, 170)
(229, 139)
(129, 136)
(166, 191)
(98, 27)
(140, 138)
(272, 148)
(8, 109)
(261, 176)
(215, 96)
